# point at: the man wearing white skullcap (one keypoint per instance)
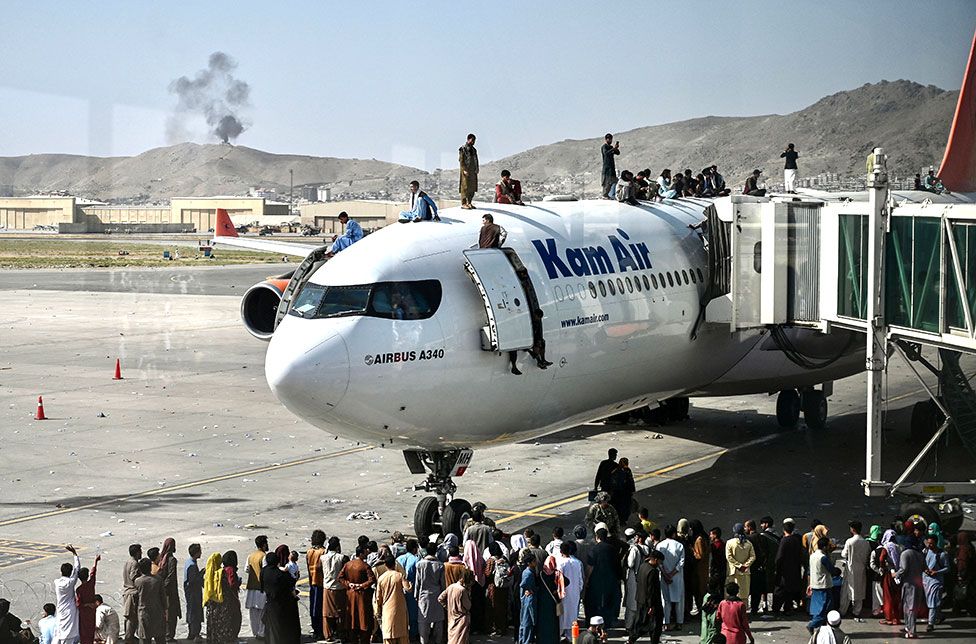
(830, 633)
(595, 633)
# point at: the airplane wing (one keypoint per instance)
(225, 233)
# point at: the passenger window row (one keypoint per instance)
(629, 284)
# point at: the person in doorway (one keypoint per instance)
(130, 605)
(67, 607)
(352, 233)
(608, 175)
(106, 622)
(422, 207)
(508, 190)
(491, 233)
(789, 168)
(731, 616)
(427, 588)
(193, 592)
(85, 597)
(752, 188)
(254, 597)
(152, 607)
(468, 163)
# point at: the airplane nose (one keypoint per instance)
(307, 373)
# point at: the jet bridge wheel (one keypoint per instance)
(426, 518)
(815, 409)
(788, 408)
(454, 517)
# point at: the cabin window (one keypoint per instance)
(603, 289)
(660, 278)
(684, 275)
(593, 290)
(701, 278)
(670, 278)
(692, 273)
(611, 287)
(653, 281)
(620, 285)
(637, 282)
(647, 284)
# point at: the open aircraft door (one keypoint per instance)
(508, 296)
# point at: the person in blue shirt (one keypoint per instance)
(408, 561)
(527, 589)
(936, 565)
(352, 234)
(422, 207)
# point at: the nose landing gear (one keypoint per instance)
(441, 513)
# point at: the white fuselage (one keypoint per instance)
(428, 384)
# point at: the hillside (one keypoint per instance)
(833, 135)
(192, 170)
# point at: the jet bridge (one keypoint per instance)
(902, 273)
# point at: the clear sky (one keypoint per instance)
(405, 81)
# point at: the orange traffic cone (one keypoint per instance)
(576, 631)
(40, 410)
(118, 370)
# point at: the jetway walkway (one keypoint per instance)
(902, 273)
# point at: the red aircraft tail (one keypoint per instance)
(958, 169)
(225, 227)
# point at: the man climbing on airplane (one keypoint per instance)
(352, 234)
(508, 190)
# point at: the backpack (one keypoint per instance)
(502, 236)
(502, 573)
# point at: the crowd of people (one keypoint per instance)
(442, 589)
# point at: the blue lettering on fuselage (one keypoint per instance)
(593, 260)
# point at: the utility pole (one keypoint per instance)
(291, 192)
(874, 316)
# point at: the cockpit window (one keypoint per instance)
(390, 300)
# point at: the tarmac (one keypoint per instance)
(192, 444)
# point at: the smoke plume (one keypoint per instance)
(213, 93)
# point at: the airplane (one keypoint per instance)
(405, 338)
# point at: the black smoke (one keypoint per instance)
(216, 94)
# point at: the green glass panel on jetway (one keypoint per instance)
(853, 266)
(927, 243)
(898, 272)
(964, 235)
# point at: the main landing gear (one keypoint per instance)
(441, 513)
(812, 402)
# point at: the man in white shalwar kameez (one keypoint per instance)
(572, 571)
(857, 554)
(636, 554)
(66, 609)
(672, 576)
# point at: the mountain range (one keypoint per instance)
(834, 135)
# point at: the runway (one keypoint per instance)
(192, 444)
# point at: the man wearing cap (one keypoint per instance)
(830, 633)
(602, 512)
(595, 633)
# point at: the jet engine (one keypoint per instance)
(259, 306)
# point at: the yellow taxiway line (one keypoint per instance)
(183, 486)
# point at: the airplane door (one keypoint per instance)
(508, 296)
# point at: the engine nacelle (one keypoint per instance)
(259, 307)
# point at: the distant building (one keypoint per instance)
(324, 194)
(310, 193)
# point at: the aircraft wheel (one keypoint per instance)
(425, 518)
(815, 409)
(788, 408)
(454, 517)
(920, 512)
